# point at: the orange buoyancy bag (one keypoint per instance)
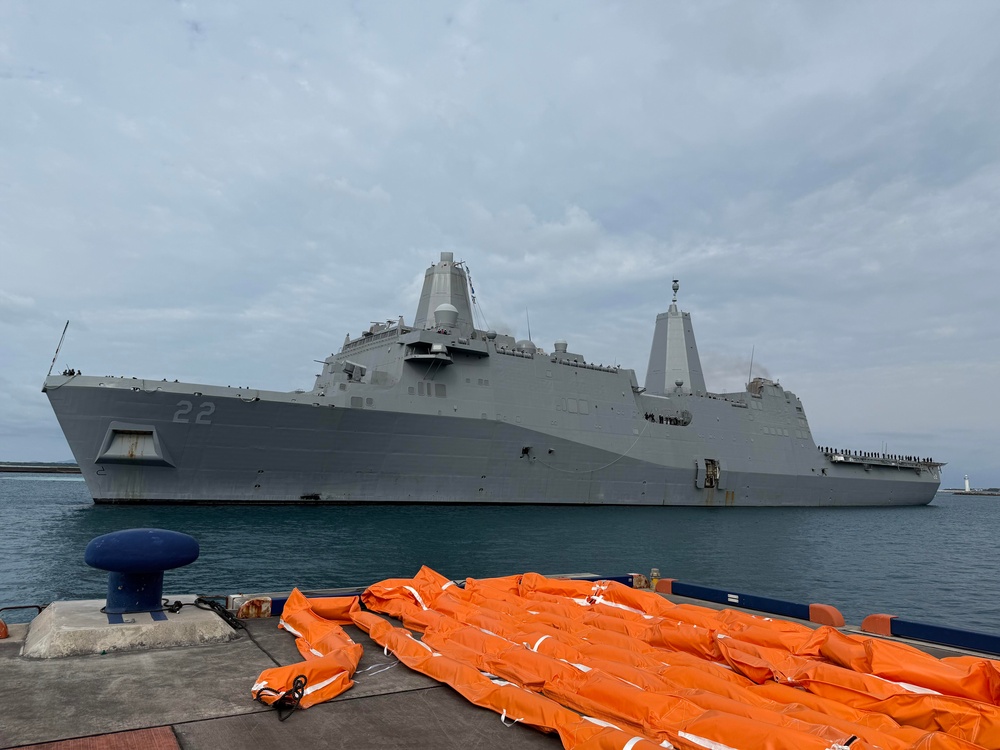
(317, 636)
(511, 702)
(975, 679)
(423, 590)
(690, 639)
(304, 684)
(334, 642)
(506, 584)
(759, 663)
(974, 722)
(557, 586)
(337, 609)
(300, 619)
(609, 668)
(618, 595)
(331, 657)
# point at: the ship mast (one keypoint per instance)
(445, 283)
(674, 364)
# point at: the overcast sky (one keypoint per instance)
(219, 192)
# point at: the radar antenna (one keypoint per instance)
(675, 287)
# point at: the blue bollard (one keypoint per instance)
(135, 560)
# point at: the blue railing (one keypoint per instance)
(747, 601)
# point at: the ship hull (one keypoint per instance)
(179, 443)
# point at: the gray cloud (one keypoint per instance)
(220, 194)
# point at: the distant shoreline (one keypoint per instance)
(21, 468)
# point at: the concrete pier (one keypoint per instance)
(198, 698)
(16, 468)
(195, 695)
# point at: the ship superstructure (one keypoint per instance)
(441, 411)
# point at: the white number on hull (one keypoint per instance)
(207, 409)
(202, 417)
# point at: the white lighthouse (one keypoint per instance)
(966, 482)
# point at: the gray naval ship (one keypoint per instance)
(442, 412)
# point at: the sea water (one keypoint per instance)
(936, 564)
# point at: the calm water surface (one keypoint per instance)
(937, 564)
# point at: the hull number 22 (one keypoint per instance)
(202, 417)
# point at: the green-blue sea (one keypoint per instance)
(936, 564)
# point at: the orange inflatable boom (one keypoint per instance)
(330, 656)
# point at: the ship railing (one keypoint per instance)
(584, 365)
(515, 353)
(878, 459)
(367, 338)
